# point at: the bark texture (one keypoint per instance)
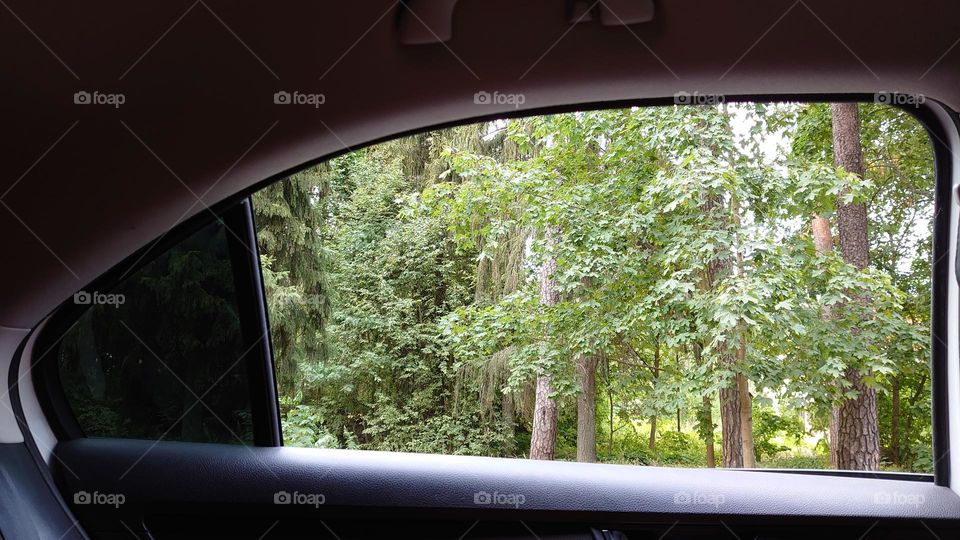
(587, 409)
(731, 426)
(746, 421)
(858, 442)
(834, 436)
(851, 218)
(858, 438)
(543, 441)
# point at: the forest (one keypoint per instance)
(733, 285)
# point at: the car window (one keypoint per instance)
(731, 285)
(159, 356)
(704, 284)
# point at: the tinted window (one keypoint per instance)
(161, 355)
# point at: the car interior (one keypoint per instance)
(145, 331)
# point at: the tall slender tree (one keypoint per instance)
(823, 244)
(858, 441)
(543, 442)
(290, 219)
(587, 408)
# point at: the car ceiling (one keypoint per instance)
(84, 186)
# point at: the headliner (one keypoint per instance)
(83, 186)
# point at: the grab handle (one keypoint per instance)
(424, 22)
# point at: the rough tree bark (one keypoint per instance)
(587, 409)
(858, 438)
(543, 442)
(746, 420)
(586, 365)
(731, 427)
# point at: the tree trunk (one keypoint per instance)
(746, 421)
(704, 416)
(743, 385)
(822, 237)
(858, 439)
(707, 414)
(730, 420)
(509, 420)
(587, 409)
(730, 426)
(610, 399)
(851, 218)
(823, 243)
(543, 441)
(895, 422)
(858, 445)
(834, 437)
(652, 443)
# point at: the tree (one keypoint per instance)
(587, 409)
(858, 440)
(543, 442)
(289, 218)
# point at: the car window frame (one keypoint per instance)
(929, 114)
(926, 113)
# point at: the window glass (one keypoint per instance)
(160, 356)
(731, 284)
